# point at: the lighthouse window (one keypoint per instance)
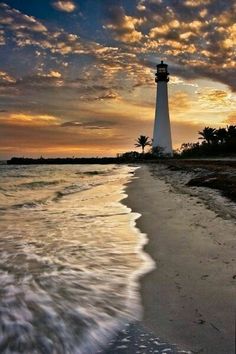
(162, 70)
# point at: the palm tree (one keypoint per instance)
(221, 135)
(143, 141)
(208, 134)
(231, 132)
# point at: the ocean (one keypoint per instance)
(70, 258)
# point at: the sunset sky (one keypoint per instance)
(77, 77)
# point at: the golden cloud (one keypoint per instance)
(127, 32)
(124, 27)
(28, 119)
(64, 5)
(196, 3)
(164, 29)
(6, 78)
(110, 95)
(230, 41)
(213, 95)
(53, 73)
(217, 100)
(203, 13)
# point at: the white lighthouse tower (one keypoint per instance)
(162, 133)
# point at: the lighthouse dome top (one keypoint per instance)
(162, 64)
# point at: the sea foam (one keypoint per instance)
(70, 259)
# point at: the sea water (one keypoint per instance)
(70, 258)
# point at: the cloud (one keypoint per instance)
(110, 95)
(15, 20)
(92, 124)
(28, 31)
(27, 119)
(64, 5)
(82, 89)
(2, 38)
(199, 36)
(213, 95)
(58, 42)
(196, 3)
(123, 27)
(5, 78)
(216, 100)
(176, 80)
(29, 139)
(166, 30)
(55, 74)
(39, 80)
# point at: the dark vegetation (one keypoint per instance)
(226, 183)
(142, 142)
(214, 174)
(62, 161)
(215, 142)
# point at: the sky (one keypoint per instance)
(77, 77)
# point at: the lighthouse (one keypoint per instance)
(162, 133)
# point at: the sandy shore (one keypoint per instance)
(189, 299)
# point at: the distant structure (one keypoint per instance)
(162, 133)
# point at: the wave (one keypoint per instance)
(55, 197)
(91, 173)
(38, 184)
(30, 204)
(96, 172)
(70, 283)
(65, 327)
(75, 188)
(72, 189)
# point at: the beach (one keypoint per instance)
(70, 258)
(189, 298)
(115, 259)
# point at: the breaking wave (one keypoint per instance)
(69, 267)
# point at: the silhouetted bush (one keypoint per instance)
(216, 142)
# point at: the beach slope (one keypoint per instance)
(189, 299)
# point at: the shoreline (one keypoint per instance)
(189, 298)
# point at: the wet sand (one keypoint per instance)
(135, 339)
(189, 299)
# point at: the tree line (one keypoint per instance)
(214, 142)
